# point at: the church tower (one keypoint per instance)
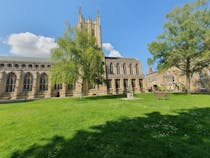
(93, 26)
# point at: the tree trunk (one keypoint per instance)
(82, 90)
(188, 75)
(97, 89)
(188, 81)
(85, 87)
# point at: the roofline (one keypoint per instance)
(121, 58)
(45, 59)
(25, 59)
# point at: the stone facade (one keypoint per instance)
(19, 78)
(92, 26)
(173, 80)
(29, 78)
(123, 74)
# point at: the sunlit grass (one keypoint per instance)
(25, 124)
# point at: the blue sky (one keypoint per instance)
(128, 25)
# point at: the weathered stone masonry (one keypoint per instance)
(24, 77)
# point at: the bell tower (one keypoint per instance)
(93, 26)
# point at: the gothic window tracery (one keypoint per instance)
(1, 65)
(43, 84)
(11, 82)
(131, 70)
(137, 69)
(57, 86)
(30, 66)
(28, 82)
(111, 68)
(118, 68)
(70, 87)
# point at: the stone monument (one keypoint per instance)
(130, 93)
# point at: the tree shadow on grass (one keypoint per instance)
(104, 97)
(12, 102)
(185, 135)
(185, 94)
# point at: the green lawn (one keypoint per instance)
(107, 127)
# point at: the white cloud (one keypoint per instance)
(115, 53)
(29, 44)
(108, 47)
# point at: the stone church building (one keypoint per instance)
(29, 78)
(173, 80)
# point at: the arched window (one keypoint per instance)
(9, 65)
(124, 69)
(30, 66)
(16, 66)
(58, 86)
(137, 69)
(23, 65)
(43, 83)
(28, 82)
(131, 70)
(11, 82)
(70, 87)
(118, 68)
(36, 66)
(1, 65)
(111, 68)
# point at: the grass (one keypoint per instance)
(100, 127)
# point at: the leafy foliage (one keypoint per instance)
(65, 68)
(185, 41)
(90, 57)
(150, 61)
(77, 56)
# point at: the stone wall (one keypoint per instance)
(173, 80)
(122, 74)
(20, 67)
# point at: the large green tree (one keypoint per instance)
(77, 58)
(185, 41)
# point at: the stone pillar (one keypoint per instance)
(103, 89)
(137, 87)
(18, 87)
(63, 90)
(129, 83)
(2, 76)
(113, 87)
(121, 85)
(78, 87)
(34, 86)
(50, 87)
